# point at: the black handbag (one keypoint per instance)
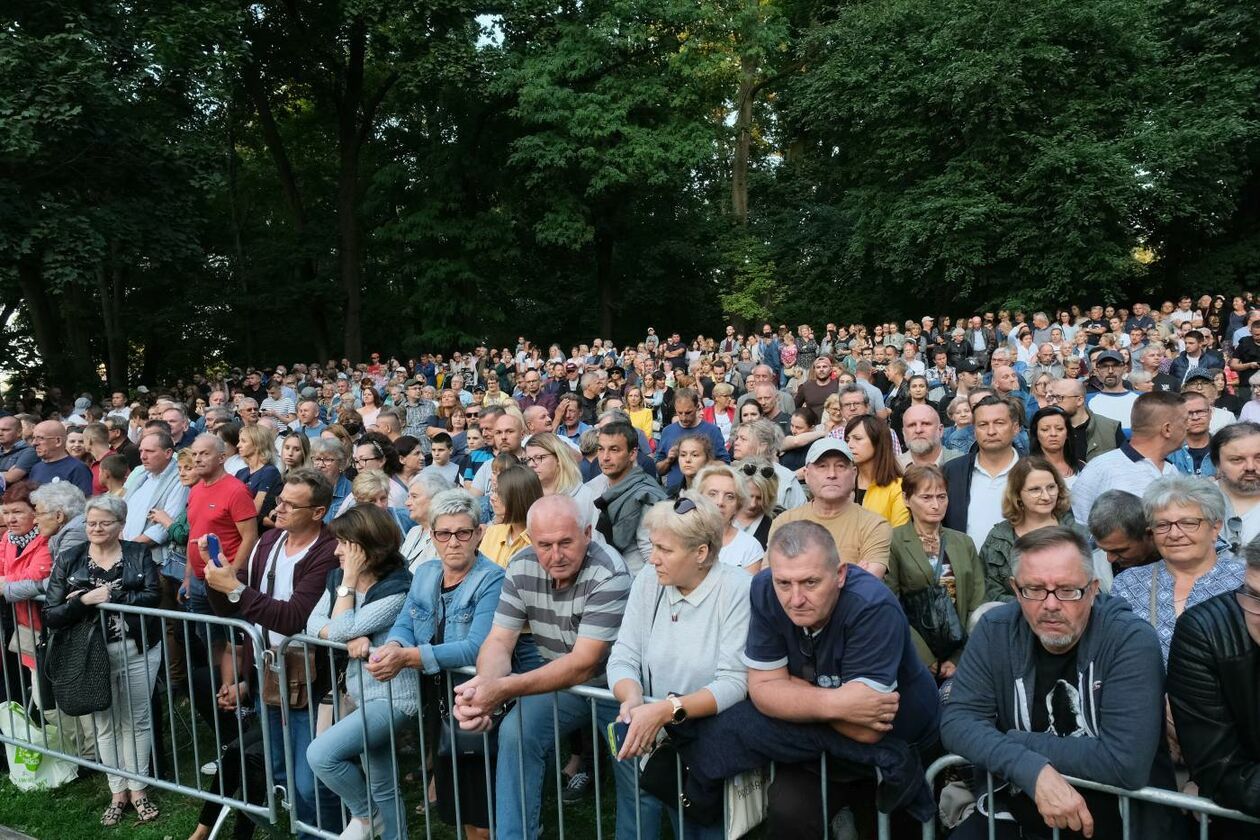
(931, 612)
(77, 666)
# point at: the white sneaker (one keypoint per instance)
(359, 830)
(210, 768)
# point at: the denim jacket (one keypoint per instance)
(467, 623)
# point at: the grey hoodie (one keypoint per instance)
(1120, 678)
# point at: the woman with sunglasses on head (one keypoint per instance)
(761, 489)
(721, 484)
(447, 615)
(681, 639)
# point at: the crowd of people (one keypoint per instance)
(1026, 539)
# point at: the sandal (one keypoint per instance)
(145, 809)
(113, 814)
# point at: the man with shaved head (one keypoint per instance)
(921, 425)
(55, 464)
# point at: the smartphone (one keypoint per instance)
(617, 732)
(213, 549)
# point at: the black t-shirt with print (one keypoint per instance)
(1056, 702)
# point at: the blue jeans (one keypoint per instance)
(334, 758)
(526, 740)
(198, 604)
(302, 786)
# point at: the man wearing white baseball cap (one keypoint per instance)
(861, 536)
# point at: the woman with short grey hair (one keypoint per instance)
(1185, 514)
(418, 546)
(329, 456)
(64, 502)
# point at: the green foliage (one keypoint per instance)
(178, 178)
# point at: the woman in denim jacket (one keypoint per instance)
(447, 615)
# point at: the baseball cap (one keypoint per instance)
(927, 318)
(570, 365)
(967, 366)
(822, 446)
(1108, 356)
(411, 382)
(1206, 374)
(82, 404)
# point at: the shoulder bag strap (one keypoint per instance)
(1154, 617)
(660, 595)
(272, 561)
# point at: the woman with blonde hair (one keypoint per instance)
(260, 475)
(722, 412)
(720, 484)
(555, 463)
(372, 487)
(761, 491)
(640, 413)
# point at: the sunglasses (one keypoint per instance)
(683, 506)
(753, 469)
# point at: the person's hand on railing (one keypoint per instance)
(646, 721)
(232, 695)
(387, 661)
(1060, 805)
(358, 648)
(476, 702)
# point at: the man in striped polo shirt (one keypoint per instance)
(571, 593)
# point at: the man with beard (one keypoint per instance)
(1058, 652)
(1115, 400)
(1236, 453)
(921, 425)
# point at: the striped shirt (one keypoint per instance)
(591, 607)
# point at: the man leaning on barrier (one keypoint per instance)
(1063, 682)
(277, 588)
(1213, 674)
(571, 593)
(828, 643)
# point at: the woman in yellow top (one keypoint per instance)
(879, 477)
(511, 495)
(640, 414)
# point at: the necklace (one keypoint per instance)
(931, 542)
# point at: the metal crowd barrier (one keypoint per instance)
(182, 741)
(1197, 805)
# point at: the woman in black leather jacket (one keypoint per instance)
(108, 569)
(1214, 688)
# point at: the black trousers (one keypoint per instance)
(796, 802)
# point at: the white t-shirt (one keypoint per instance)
(743, 551)
(1118, 407)
(285, 563)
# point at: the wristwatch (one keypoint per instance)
(680, 713)
(343, 591)
(235, 595)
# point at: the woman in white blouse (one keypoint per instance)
(680, 640)
(720, 484)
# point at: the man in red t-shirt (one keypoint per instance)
(218, 504)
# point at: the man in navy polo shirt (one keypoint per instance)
(828, 643)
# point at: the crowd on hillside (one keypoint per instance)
(1022, 538)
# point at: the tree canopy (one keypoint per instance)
(184, 183)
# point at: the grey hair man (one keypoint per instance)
(1118, 525)
(1057, 724)
(921, 425)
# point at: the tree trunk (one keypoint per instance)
(350, 135)
(604, 279)
(39, 310)
(109, 281)
(743, 139)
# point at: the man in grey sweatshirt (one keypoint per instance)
(1064, 682)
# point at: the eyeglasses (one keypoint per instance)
(1063, 594)
(283, 504)
(753, 469)
(1189, 525)
(535, 460)
(1249, 602)
(805, 643)
(684, 505)
(463, 535)
(1203, 412)
(100, 523)
(323, 460)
